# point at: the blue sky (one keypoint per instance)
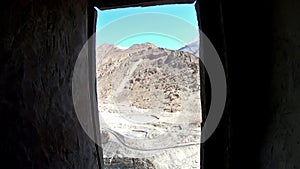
(168, 26)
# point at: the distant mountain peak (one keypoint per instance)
(192, 47)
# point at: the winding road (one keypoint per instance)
(122, 139)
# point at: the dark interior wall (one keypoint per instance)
(263, 60)
(281, 144)
(40, 41)
(260, 126)
(240, 31)
(247, 27)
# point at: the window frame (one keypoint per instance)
(212, 26)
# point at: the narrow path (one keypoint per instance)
(122, 139)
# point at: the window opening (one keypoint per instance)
(148, 86)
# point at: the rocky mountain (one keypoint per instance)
(146, 93)
(147, 76)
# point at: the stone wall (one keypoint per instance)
(40, 41)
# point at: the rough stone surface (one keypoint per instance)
(40, 41)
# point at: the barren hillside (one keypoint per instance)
(146, 93)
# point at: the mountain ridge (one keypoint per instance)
(176, 69)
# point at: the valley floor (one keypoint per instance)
(141, 138)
